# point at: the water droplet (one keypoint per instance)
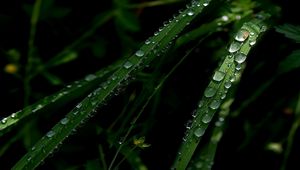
(252, 42)
(199, 165)
(69, 86)
(215, 104)
(147, 41)
(156, 33)
(207, 118)
(205, 3)
(33, 148)
(79, 105)
(199, 132)
(127, 64)
(240, 58)
(188, 124)
(218, 123)
(194, 114)
(200, 104)
(4, 120)
(64, 121)
(13, 116)
(234, 46)
(218, 76)
(190, 12)
(227, 84)
(238, 17)
(242, 35)
(209, 92)
(232, 79)
(225, 18)
(90, 77)
(139, 53)
(38, 107)
(50, 134)
(263, 28)
(238, 67)
(223, 96)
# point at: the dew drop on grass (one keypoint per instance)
(90, 77)
(127, 64)
(242, 35)
(238, 67)
(4, 120)
(252, 42)
(225, 18)
(207, 118)
(219, 76)
(199, 132)
(50, 134)
(200, 104)
(227, 84)
(78, 106)
(209, 92)
(190, 12)
(147, 41)
(139, 53)
(234, 46)
(205, 3)
(13, 116)
(188, 124)
(240, 58)
(215, 104)
(223, 96)
(64, 121)
(38, 107)
(194, 113)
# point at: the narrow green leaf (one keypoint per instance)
(217, 89)
(290, 63)
(290, 31)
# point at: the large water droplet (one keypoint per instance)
(218, 76)
(242, 35)
(240, 57)
(199, 132)
(13, 116)
(139, 53)
(50, 134)
(225, 18)
(190, 12)
(205, 3)
(4, 120)
(90, 77)
(127, 64)
(207, 118)
(234, 46)
(227, 84)
(209, 92)
(215, 104)
(64, 121)
(252, 42)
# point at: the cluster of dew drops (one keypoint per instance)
(218, 76)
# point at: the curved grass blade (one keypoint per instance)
(86, 108)
(217, 89)
(68, 93)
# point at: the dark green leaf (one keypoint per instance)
(290, 31)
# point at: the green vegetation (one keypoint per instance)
(95, 89)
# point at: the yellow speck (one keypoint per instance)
(11, 68)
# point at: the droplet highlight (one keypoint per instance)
(219, 76)
(210, 92)
(234, 47)
(199, 132)
(50, 134)
(240, 58)
(127, 64)
(242, 35)
(215, 104)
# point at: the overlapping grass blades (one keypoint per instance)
(152, 47)
(217, 89)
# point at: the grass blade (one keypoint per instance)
(216, 91)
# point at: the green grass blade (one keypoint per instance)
(217, 89)
(68, 93)
(152, 47)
